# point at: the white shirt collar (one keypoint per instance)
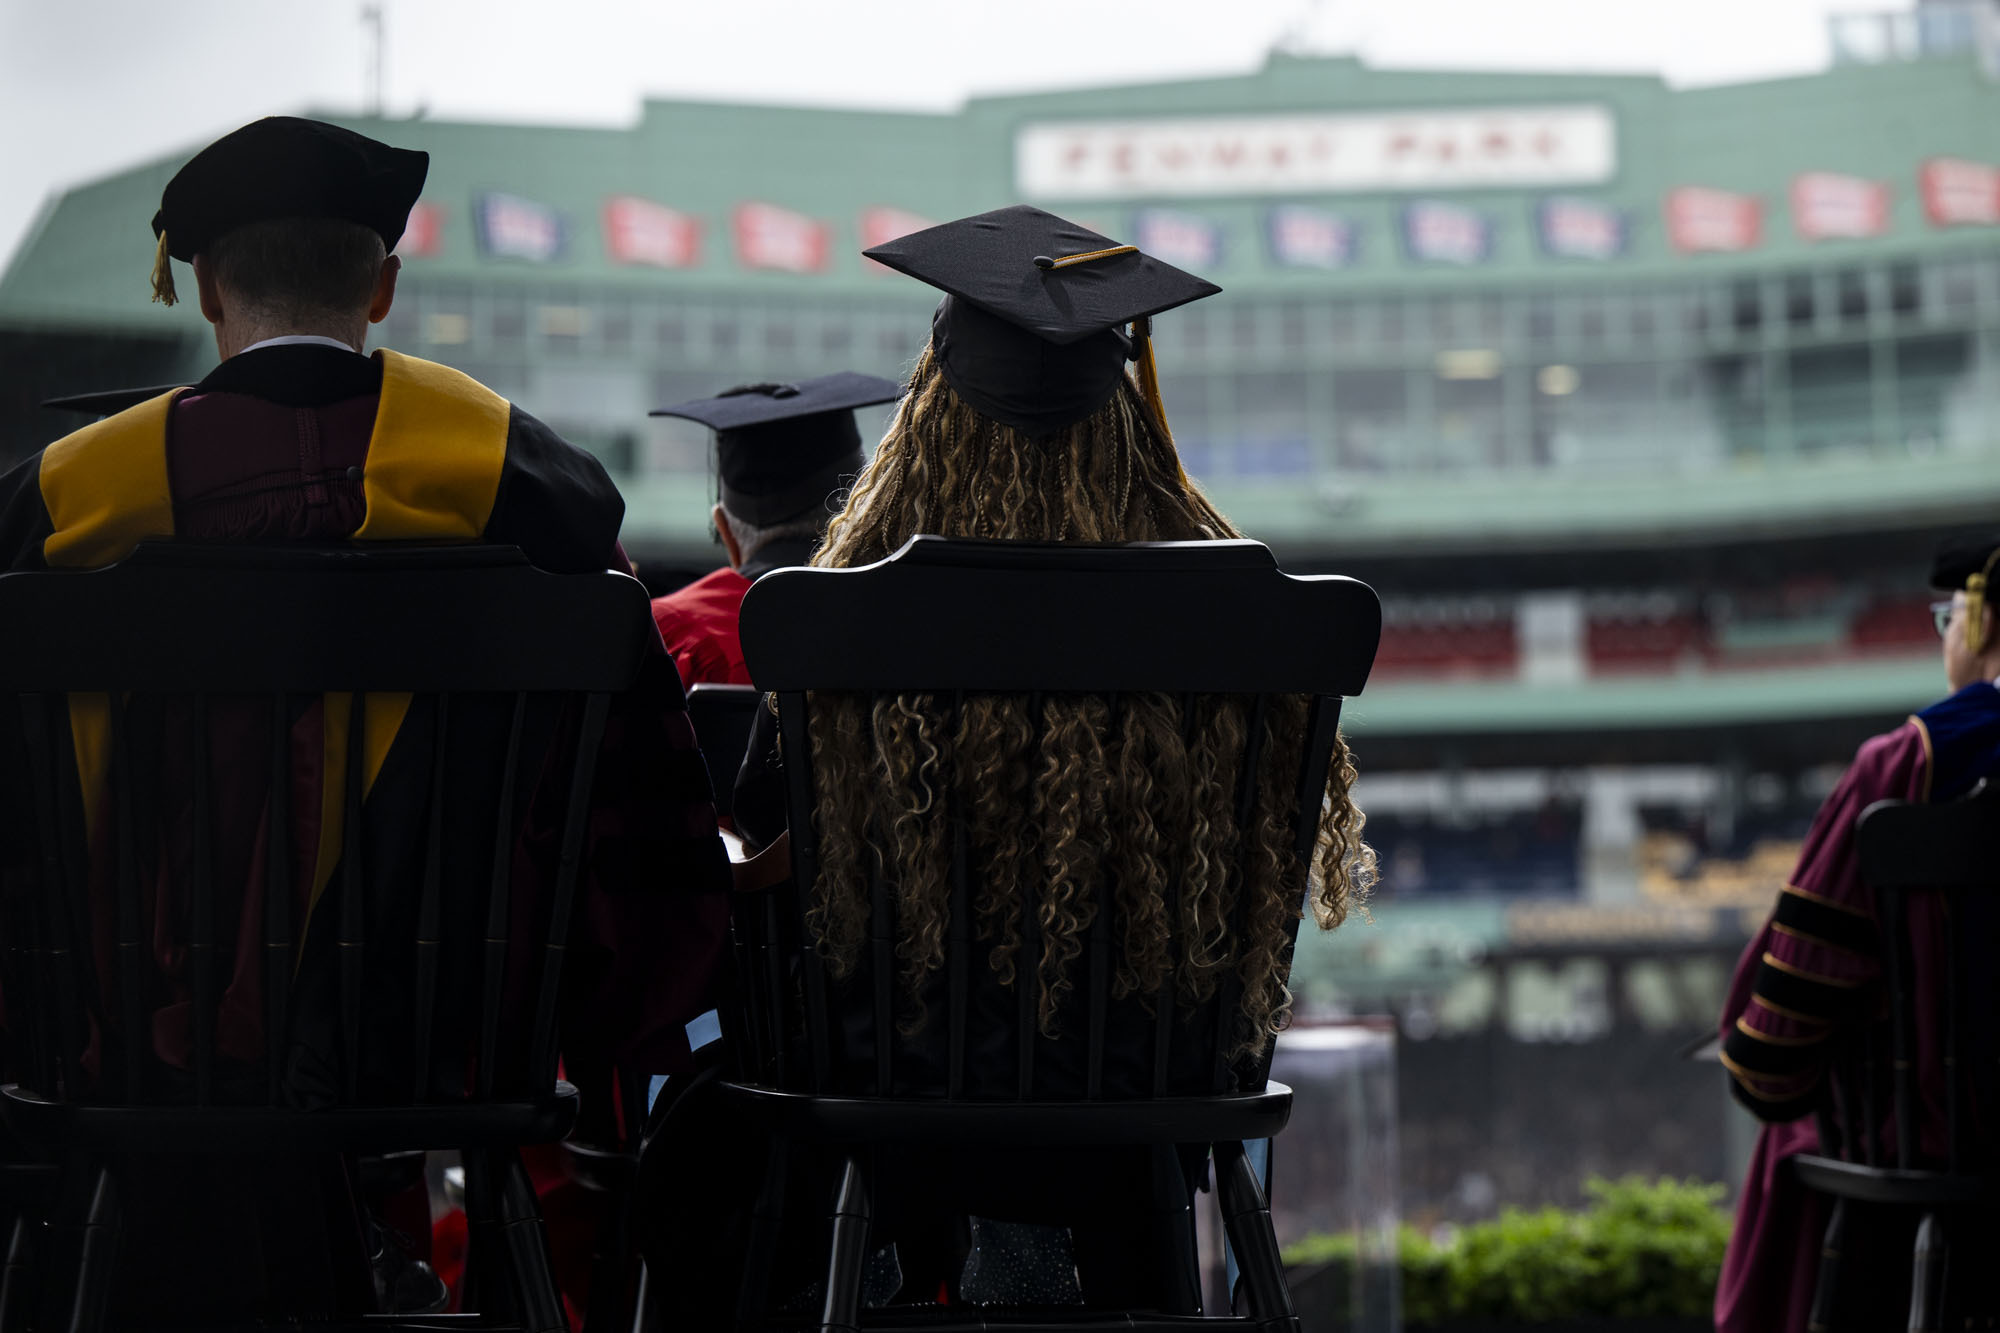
(301, 340)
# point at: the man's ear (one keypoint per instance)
(720, 519)
(210, 291)
(385, 290)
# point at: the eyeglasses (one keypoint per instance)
(1941, 617)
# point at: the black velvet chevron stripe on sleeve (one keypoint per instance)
(1820, 922)
(1773, 1057)
(1775, 1109)
(1789, 990)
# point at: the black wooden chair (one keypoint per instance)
(512, 672)
(722, 716)
(961, 618)
(1907, 852)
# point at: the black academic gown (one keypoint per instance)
(314, 444)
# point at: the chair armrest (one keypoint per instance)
(759, 870)
(1884, 1184)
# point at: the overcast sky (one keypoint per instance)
(88, 87)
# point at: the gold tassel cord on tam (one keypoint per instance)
(163, 274)
(1975, 606)
(1149, 386)
(1068, 261)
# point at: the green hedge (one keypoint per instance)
(1639, 1250)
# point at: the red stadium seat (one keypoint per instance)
(1893, 623)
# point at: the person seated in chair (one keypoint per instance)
(782, 454)
(1021, 423)
(297, 436)
(1804, 981)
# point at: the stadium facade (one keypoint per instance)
(1641, 406)
(1725, 340)
(1459, 309)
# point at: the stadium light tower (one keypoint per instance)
(371, 18)
(1309, 32)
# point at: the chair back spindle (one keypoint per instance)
(1231, 988)
(201, 909)
(569, 865)
(1902, 1024)
(132, 962)
(1953, 1025)
(805, 871)
(958, 961)
(428, 912)
(499, 904)
(882, 943)
(278, 870)
(56, 827)
(353, 937)
(1027, 1019)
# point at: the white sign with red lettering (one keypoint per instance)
(1958, 193)
(1316, 154)
(1702, 219)
(777, 238)
(639, 231)
(1829, 206)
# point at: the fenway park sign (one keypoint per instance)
(1316, 153)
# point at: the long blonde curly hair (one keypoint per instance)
(1055, 803)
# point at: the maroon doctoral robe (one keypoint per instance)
(1810, 972)
(315, 444)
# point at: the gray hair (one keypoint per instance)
(750, 538)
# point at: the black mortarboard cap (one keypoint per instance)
(1959, 558)
(285, 167)
(107, 402)
(781, 449)
(1030, 330)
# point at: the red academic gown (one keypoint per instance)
(310, 443)
(698, 623)
(1809, 972)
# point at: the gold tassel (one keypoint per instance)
(163, 274)
(1109, 252)
(1975, 606)
(1149, 387)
